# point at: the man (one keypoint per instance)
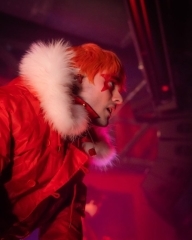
(52, 120)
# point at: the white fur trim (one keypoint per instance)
(106, 153)
(46, 68)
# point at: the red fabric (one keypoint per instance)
(61, 229)
(146, 145)
(91, 112)
(42, 161)
(66, 225)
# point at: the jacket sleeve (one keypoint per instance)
(5, 138)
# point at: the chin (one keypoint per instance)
(101, 122)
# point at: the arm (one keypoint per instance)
(5, 139)
(6, 216)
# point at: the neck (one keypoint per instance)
(92, 114)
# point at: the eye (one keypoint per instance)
(111, 85)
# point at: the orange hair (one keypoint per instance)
(91, 59)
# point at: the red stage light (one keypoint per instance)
(165, 88)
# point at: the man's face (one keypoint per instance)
(102, 96)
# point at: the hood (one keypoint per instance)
(47, 70)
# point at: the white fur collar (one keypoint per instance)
(46, 68)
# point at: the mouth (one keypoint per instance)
(110, 110)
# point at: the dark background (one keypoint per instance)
(153, 127)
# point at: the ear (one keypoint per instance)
(76, 88)
(79, 78)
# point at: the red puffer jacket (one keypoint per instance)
(41, 160)
(40, 125)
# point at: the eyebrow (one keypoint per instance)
(117, 79)
(111, 77)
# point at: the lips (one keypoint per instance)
(111, 109)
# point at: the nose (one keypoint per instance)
(117, 98)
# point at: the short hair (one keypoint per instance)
(92, 59)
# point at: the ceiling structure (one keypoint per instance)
(101, 21)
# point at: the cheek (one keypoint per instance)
(101, 100)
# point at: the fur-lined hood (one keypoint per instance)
(47, 70)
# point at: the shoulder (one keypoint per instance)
(14, 95)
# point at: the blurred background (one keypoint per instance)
(147, 194)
